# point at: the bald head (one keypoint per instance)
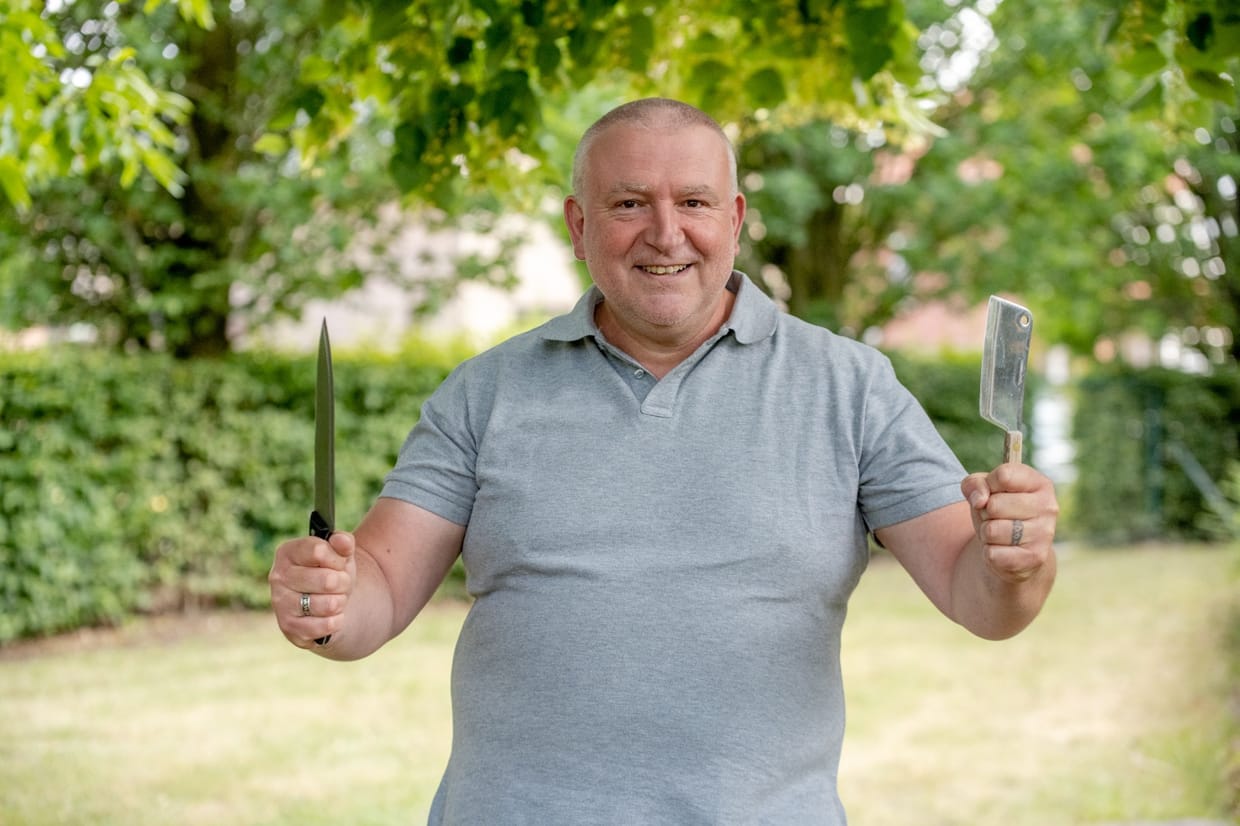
(649, 113)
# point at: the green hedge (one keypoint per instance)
(134, 484)
(948, 389)
(1132, 430)
(141, 484)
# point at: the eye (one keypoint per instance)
(628, 203)
(694, 203)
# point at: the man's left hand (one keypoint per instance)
(1014, 516)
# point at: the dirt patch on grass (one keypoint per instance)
(165, 629)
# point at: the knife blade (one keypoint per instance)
(323, 517)
(1005, 359)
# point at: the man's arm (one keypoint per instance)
(366, 587)
(965, 560)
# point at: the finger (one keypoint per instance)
(324, 617)
(305, 550)
(289, 579)
(304, 631)
(319, 605)
(1041, 504)
(333, 552)
(1015, 563)
(315, 580)
(1017, 478)
(1009, 506)
(1009, 532)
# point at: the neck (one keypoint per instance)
(660, 352)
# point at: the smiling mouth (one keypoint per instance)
(672, 270)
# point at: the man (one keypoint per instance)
(662, 500)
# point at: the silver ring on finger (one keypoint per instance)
(305, 605)
(1018, 531)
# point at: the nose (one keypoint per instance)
(664, 232)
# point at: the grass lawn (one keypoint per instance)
(1112, 707)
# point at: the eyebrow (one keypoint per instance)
(643, 189)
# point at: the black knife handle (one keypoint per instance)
(320, 528)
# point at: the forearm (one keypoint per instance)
(996, 607)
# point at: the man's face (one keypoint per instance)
(658, 225)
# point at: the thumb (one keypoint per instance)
(976, 488)
(342, 543)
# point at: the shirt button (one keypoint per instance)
(640, 373)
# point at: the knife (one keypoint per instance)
(1005, 358)
(323, 517)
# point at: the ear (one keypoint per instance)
(575, 219)
(738, 221)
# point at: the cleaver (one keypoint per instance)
(1005, 356)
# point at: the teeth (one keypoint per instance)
(665, 270)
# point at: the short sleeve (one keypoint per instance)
(906, 468)
(435, 467)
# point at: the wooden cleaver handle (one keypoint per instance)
(1013, 447)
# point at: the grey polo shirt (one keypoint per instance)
(660, 569)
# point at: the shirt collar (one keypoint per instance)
(754, 315)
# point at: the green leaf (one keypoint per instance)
(411, 140)
(708, 74)
(583, 44)
(13, 183)
(388, 19)
(1200, 31)
(460, 51)
(445, 119)
(491, 8)
(271, 144)
(1149, 98)
(197, 11)
(765, 87)
(708, 43)
(547, 57)
(533, 13)
(595, 9)
(869, 33)
(310, 100)
(499, 40)
(164, 171)
(510, 104)
(1212, 86)
(316, 69)
(641, 41)
(1144, 60)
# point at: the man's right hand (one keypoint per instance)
(315, 576)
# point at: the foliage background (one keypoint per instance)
(176, 170)
(1135, 430)
(143, 484)
(179, 170)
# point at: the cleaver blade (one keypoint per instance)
(1005, 359)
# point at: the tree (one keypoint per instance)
(269, 132)
(241, 233)
(282, 119)
(1052, 177)
(70, 106)
(1105, 200)
(824, 214)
